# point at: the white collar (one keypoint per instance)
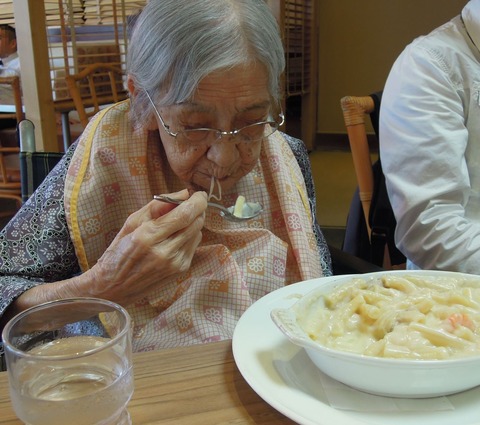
(471, 18)
(9, 58)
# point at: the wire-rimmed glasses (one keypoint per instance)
(208, 136)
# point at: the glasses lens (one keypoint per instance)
(248, 134)
(256, 132)
(201, 135)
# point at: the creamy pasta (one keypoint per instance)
(398, 316)
(239, 205)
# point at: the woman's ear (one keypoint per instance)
(131, 86)
(152, 122)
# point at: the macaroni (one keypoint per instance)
(239, 204)
(211, 194)
(398, 316)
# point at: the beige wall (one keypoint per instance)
(360, 40)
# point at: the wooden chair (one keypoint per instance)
(14, 83)
(355, 110)
(378, 217)
(96, 85)
(10, 182)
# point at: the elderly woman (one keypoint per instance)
(204, 107)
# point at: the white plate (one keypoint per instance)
(284, 376)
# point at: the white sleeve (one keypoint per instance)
(8, 72)
(423, 143)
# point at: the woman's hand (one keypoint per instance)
(155, 243)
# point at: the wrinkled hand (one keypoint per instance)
(155, 243)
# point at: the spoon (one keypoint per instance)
(250, 209)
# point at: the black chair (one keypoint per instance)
(371, 223)
(34, 165)
(346, 263)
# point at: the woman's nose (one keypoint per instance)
(224, 152)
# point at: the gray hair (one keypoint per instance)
(176, 43)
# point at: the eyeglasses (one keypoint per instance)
(207, 136)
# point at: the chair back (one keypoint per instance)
(14, 83)
(10, 184)
(378, 218)
(96, 85)
(355, 110)
(34, 165)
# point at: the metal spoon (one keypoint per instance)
(250, 209)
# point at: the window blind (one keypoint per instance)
(82, 32)
(298, 33)
(6, 12)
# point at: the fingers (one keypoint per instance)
(174, 237)
(156, 209)
(143, 259)
(182, 216)
(155, 243)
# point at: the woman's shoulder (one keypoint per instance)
(111, 123)
(298, 148)
(119, 111)
(111, 115)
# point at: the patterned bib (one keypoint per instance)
(116, 170)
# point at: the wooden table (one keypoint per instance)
(189, 385)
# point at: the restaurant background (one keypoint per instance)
(360, 40)
(356, 43)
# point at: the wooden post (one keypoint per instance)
(277, 8)
(35, 71)
(309, 100)
(308, 119)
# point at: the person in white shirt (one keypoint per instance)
(10, 62)
(430, 145)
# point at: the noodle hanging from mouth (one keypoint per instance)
(211, 195)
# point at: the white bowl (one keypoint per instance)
(407, 378)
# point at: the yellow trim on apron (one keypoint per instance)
(75, 231)
(302, 194)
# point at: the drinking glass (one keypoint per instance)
(70, 362)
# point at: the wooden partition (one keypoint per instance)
(35, 71)
(57, 38)
(297, 22)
